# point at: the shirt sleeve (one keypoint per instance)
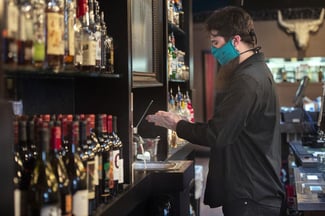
(231, 114)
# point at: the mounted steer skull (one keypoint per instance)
(301, 28)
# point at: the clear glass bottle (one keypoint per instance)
(10, 32)
(69, 33)
(98, 36)
(54, 31)
(25, 33)
(39, 33)
(104, 61)
(88, 41)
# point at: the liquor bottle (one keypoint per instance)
(60, 170)
(103, 28)
(98, 36)
(69, 33)
(76, 170)
(88, 41)
(39, 33)
(108, 47)
(10, 32)
(80, 12)
(54, 31)
(25, 33)
(44, 189)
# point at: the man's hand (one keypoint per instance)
(165, 119)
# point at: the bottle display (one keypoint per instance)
(181, 104)
(177, 69)
(78, 158)
(57, 36)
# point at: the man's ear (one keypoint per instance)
(235, 40)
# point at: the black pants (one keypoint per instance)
(247, 207)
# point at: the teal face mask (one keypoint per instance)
(226, 53)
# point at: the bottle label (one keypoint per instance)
(52, 210)
(98, 37)
(55, 44)
(80, 203)
(111, 171)
(116, 169)
(100, 167)
(17, 203)
(96, 177)
(89, 53)
(12, 20)
(68, 204)
(90, 178)
(39, 52)
(71, 36)
(121, 173)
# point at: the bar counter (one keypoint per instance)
(147, 185)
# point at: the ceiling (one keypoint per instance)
(261, 9)
(210, 5)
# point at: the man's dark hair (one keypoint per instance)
(230, 21)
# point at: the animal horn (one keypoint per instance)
(288, 26)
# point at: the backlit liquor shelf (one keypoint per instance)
(293, 69)
(31, 72)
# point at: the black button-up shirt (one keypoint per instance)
(244, 137)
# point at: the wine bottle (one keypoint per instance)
(31, 140)
(113, 172)
(102, 137)
(60, 170)
(44, 189)
(118, 158)
(20, 186)
(96, 148)
(90, 167)
(76, 170)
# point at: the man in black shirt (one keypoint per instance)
(243, 134)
